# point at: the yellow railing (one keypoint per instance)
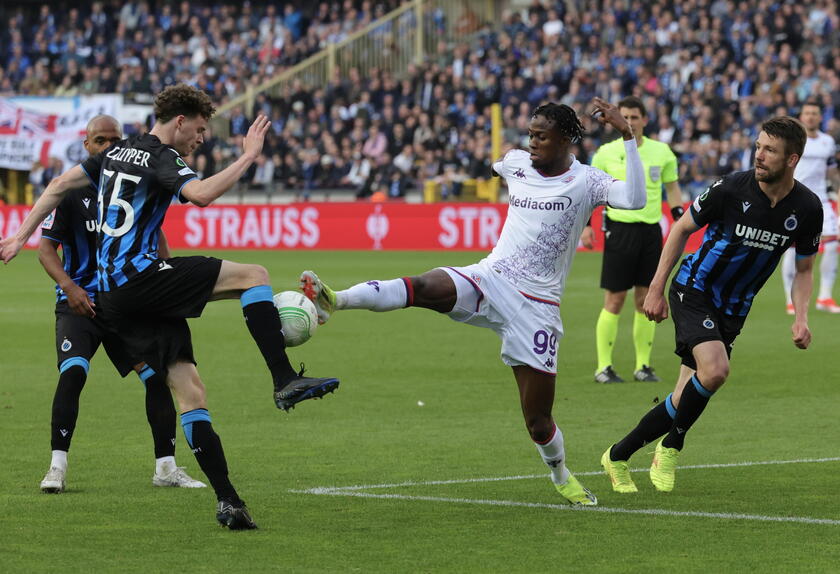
(407, 35)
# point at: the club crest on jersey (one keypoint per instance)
(791, 222)
(476, 278)
(655, 172)
(519, 173)
(708, 323)
(66, 345)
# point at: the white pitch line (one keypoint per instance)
(647, 511)
(325, 489)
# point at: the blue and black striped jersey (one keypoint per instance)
(73, 225)
(136, 181)
(746, 238)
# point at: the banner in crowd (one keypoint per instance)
(10, 220)
(27, 136)
(373, 226)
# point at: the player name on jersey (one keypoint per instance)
(129, 155)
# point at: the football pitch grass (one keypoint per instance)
(368, 480)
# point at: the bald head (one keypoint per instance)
(102, 132)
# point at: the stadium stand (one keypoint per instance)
(708, 71)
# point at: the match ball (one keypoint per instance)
(298, 317)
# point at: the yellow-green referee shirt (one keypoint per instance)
(660, 167)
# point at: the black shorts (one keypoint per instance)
(176, 288)
(158, 342)
(148, 314)
(631, 254)
(80, 336)
(155, 342)
(697, 320)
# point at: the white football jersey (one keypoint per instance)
(812, 167)
(545, 218)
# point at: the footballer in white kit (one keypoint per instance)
(816, 167)
(516, 289)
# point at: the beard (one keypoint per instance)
(770, 176)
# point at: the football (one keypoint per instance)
(297, 315)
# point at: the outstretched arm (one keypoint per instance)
(205, 191)
(656, 306)
(49, 200)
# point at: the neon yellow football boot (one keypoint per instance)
(619, 474)
(574, 492)
(663, 467)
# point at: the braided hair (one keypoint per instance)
(565, 120)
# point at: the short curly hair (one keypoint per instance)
(182, 100)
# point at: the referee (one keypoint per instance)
(633, 243)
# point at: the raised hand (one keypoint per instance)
(253, 143)
(605, 113)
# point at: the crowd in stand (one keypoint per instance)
(709, 72)
(137, 48)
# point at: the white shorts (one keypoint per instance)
(829, 220)
(529, 327)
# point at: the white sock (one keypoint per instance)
(828, 269)
(553, 454)
(164, 465)
(59, 459)
(373, 295)
(788, 271)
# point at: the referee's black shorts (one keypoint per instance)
(631, 254)
(697, 320)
